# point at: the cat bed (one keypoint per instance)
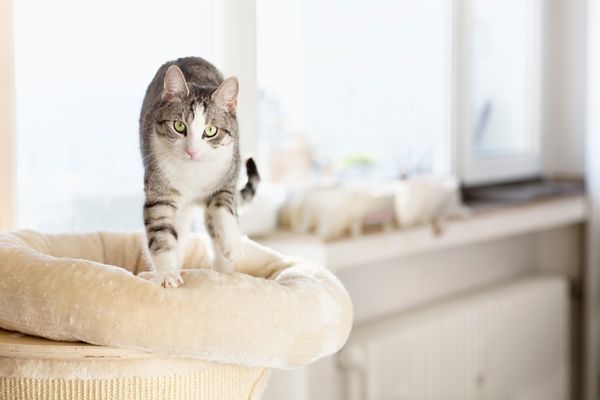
(273, 312)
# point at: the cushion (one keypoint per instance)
(273, 312)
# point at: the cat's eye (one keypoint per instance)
(210, 130)
(179, 126)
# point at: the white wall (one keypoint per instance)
(592, 288)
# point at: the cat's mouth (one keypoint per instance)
(195, 158)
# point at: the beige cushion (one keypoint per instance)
(274, 313)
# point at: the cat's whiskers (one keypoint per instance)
(159, 164)
(158, 154)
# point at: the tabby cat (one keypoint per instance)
(190, 147)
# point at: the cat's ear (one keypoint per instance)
(174, 84)
(226, 94)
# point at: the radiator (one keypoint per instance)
(507, 343)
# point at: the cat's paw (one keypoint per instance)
(231, 247)
(169, 280)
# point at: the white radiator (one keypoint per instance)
(508, 343)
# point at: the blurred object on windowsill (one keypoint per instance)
(294, 162)
(353, 208)
(356, 166)
(525, 191)
(427, 199)
(336, 211)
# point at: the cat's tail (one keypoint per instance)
(249, 190)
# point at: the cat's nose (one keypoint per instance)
(191, 152)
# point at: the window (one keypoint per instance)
(501, 90)
(79, 88)
(354, 87)
(347, 89)
(383, 89)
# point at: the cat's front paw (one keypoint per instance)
(231, 248)
(169, 280)
(223, 265)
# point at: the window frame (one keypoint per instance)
(7, 125)
(238, 44)
(470, 170)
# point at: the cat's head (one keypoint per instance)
(193, 122)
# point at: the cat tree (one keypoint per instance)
(216, 337)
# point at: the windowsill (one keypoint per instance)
(480, 226)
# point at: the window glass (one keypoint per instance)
(82, 68)
(354, 88)
(504, 77)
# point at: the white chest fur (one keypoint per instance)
(199, 178)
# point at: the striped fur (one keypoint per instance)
(249, 190)
(187, 169)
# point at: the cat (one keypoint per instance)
(189, 141)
